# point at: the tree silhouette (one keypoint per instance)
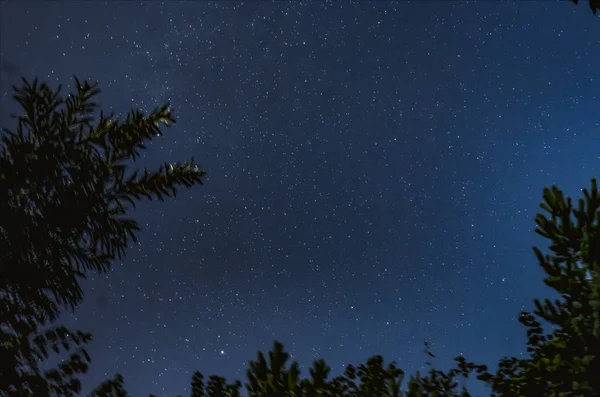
(273, 378)
(66, 190)
(563, 362)
(594, 5)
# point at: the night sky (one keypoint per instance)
(374, 172)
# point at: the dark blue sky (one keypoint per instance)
(374, 172)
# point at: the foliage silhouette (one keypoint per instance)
(594, 5)
(564, 362)
(67, 190)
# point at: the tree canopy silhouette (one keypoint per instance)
(562, 362)
(594, 5)
(67, 188)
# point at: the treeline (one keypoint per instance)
(68, 182)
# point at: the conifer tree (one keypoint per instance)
(67, 188)
(594, 5)
(564, 361)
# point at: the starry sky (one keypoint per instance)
(374, 172)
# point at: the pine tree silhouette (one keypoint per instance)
(66, 193)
